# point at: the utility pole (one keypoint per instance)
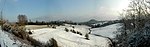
(1, 13)
(1, 17)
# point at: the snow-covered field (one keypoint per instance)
(69, 39)
(35, 26)
(108, 31)
(63, 38)
(100, 23)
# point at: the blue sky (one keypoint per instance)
(75, 10)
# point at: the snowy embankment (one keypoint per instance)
(8, 40)
(108, 31)
(69, 39)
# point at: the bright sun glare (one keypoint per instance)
(123, 4)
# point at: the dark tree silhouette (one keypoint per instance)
(22, 20)
(134, 32)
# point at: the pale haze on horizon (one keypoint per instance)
(74, 10)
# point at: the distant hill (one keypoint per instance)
(92, 21)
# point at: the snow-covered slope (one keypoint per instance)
(100, 23)
(8, 40)
(69, 39)
(108, 31)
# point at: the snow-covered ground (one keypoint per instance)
(63, 38)
(8, 40)
(69, 39)
(108, 31)
(100, 23)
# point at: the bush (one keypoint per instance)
(48, 44)
(87, 37)
(6, 27)
(73, 27)
(54, 27)
(73, 31)
(30, 32)
(15, 33)
(54, 43)
(66, 30)
(79, 33)
(51, 43)
(22, 33)
(16, 30)
(34, 42)
(90, 31)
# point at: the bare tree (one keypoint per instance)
(137, 13)
(22, 20)
(135, 18)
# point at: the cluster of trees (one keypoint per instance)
(51, 23)
(73, 31)
(135, 31)
(105, 24)
(77, 32)
(45, 23)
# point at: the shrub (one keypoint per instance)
(54, 43)
(34, 42)
(22, 33)
(54, 27)
(79, 33)
(73, 31)
(15, 33)
(6, 27)
(66, 30)
(90, 31)
(87, 37)
(48, 44)
(30, 32)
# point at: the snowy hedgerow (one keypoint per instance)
(34, 42)
(78, 32)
